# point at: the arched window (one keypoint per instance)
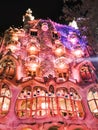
(92, 98)
(69, 103)
(7, 68)
(5, 99)
(23, 103)
(87, 73)
(52, 101)
(32, 65)
(76, 103)
(62, 68)
(63, 100)
(40, 106)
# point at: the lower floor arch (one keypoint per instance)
(53, 126)
(76, 127)
(27, 127)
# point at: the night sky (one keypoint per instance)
(11, 12)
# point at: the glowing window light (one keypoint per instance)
(5, 106)
(61, 63)
(32, 50)
(58, 42)
(32, 63)
(13, 48)
(92, 98)
(59, 51)
(33, 47)
(32, 66)
(44, 105)
(78, 53)
(95, 111)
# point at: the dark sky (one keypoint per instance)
(11, 11)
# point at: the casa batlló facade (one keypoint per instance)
(47, 78)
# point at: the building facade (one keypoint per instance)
(48, 79)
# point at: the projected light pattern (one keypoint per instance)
(65, 30)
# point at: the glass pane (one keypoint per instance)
(40, 101)
(61, 103)
(41, 112)
(5, 91)
(74, 95)
(92, 105)
(25, 93)
(97, 103)
(79, 109)
(34, 104)
(5, 96)
(69, 106)
(1, 100)
(90, 96)
(95, 94)
(6, 103)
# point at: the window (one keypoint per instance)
(7, 68)
(38, 102)
(63, 101)
(43, 102)
(69, 103)
(5, 99)
(55, 35)
(62, 68)
(33, 32)
(76, 103)
(40, 105)
(32, 66)
(52, 101)
(92, 98)
(23, 103)
(87, 73)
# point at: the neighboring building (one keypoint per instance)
(48, 78)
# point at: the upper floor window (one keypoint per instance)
(7, 68)
(55, 35)
(92, 98)
(5, 99)
(33, 32)
(87, 73)
(62, 68)
(32, 66)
